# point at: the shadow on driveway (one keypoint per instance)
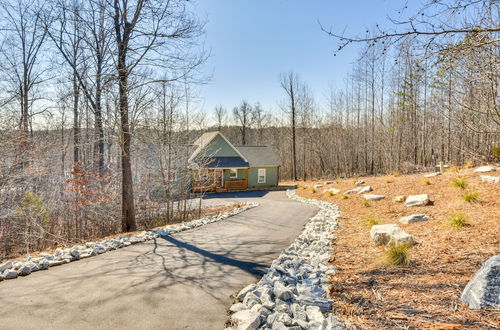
(250, 267)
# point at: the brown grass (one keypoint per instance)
(426, 294)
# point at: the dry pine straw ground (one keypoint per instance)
(370, 295)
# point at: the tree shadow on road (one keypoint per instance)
(250, 267)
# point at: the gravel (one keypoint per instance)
(293, 292)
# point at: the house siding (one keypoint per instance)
(271, 177)
(218, 147)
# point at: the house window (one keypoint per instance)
(233, 173)
(261, 175)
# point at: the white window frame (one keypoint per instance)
(233, 171)
(261, 174)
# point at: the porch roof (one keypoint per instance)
(226, 162)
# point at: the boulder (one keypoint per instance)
(241, 295)
(27, 269)
(490, 179)
(314, 314)
(414, 218)
(399, 199)
(359, 182)
(282, 292)
(10, 274)
(389, 234)
(317, 186)
(5, 266)
(484, 169)
(417, 200)
(372, 197)
(247, 319)
(353, 191)
(431, 175)
(328, 182)
(365, 190)
(483, 290)
(334, 191)
(56, 262)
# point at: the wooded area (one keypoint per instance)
(96, 105)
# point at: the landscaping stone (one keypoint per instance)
(431, 175)
(490, 179)
(417, 200)
(317, 186)
(10, 274)
(483, 290)
(282, 292)
(358, 183)
(241, 295)
(399, 199)
(328, 182)
(353, 191)
(414, 218)
(365, 190)
(5, 266)
(389, 234)
(27, 269)
(297, 279)
(484, 169)
(247, 320)
(372, 197)
(334, 191)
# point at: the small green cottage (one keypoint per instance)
(217, 165)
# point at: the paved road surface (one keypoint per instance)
(180, 282)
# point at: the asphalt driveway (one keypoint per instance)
(183, 281)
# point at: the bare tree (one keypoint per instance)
(290, 84)
(220, 116)
(143, 30)
(23, 40)
(244, 116)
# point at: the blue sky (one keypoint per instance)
(252, 42)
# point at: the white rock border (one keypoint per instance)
(11, 270)
(293, 293)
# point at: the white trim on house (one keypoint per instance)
(261, 173)
(200, 147)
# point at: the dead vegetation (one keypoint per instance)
(426, 293)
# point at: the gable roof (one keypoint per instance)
(260, 156)
(204, 140)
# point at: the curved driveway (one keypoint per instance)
(183, 281)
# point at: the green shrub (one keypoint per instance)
(365, 203)
(330, 193)
(371, 220)
(343, 196)
(459, 183)
(426, 181)
(495, 150)
(313, 190)
(389, 181)
(471, 197)
(398, 255)
(458, 220)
